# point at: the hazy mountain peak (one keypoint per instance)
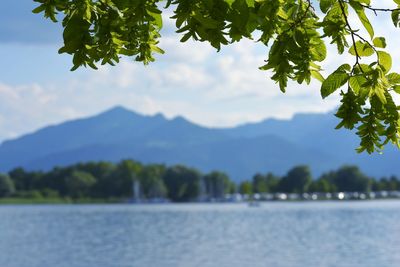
(118, 111)
(180, 119)
(271, 145)
(118, 108)
(159, 115)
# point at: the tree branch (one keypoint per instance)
(376, 10)
(353, 34)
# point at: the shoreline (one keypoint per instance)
(20, 201)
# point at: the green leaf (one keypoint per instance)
(75, 67)
(229, 2)
(250, 3)
(156, 49)
(39, 9)
(379, 42)
(325, 5)
(380, 93)
(397, 89)
(157, 18)
(186, 37)
(207, 22)
(282, 14)
(349, 111)
(356, 83)
(385, 60)
(396, 17)
(92, 65)
(363, 49)
(336, 80)
(362, 68)
(363, 17)
(367, 2)
(88, 13)
(319, 52)
(317, 75)
(393, 78)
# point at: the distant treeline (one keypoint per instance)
(129, 179)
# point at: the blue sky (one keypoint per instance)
(191, 80)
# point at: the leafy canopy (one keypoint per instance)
(100, 31)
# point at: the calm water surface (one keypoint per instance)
(188, 235)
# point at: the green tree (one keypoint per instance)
(260, 184)
(232, 188)
(56, 179)
(119, 183)
(50, 193)
(99, 32)
(245, 188)
(183, 184)
(321, 185)
(79, 184)
(393, 183)
(151, 181)
(103, 171)
(297, 180)
(217, 184)
(376, 185)
(6, 186)
(265, 183)
(350, 179)
(20, 179)
(26, 181)
(273, 182)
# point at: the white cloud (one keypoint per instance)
(191, 52)
(21, 109)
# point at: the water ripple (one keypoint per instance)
(190, 235)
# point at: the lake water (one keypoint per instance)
(188, 235)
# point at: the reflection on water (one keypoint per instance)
(275, 234)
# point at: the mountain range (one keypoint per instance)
(268, 146)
